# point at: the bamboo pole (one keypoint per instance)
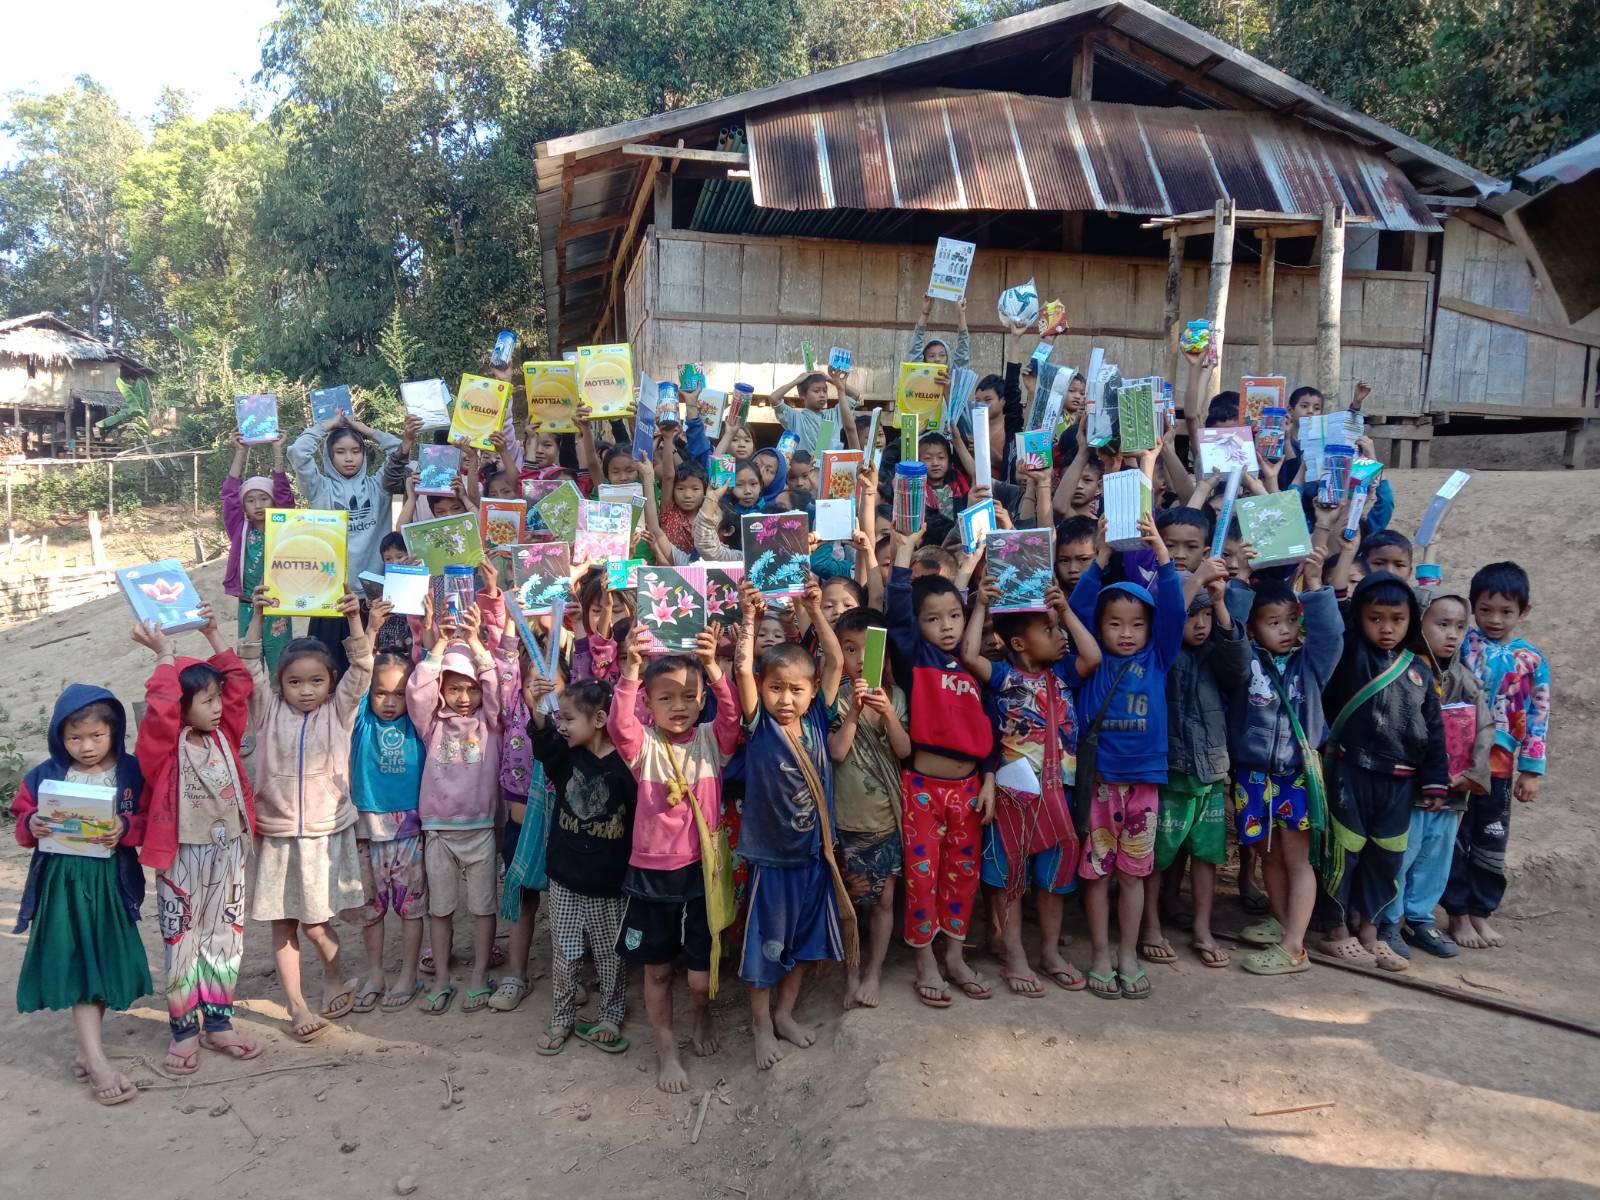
(1217, 296)
(1330, 288)
(1265, 347)
(1175, 245)
(111, 491)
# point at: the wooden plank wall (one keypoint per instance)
(742, 306)
(1530, 359)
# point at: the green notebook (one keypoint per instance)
(1275, 524)
(872, 656)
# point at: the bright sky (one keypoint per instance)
(208, 48)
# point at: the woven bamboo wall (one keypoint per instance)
(742, 306)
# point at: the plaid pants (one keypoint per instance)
(574, 919)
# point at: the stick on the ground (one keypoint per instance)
(235, 1110)
(629, 1146)
(700, 1117)
(1298, 1108)
(164, 1087)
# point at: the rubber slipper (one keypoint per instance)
(310, 1035)
(1262, 933)
(185, 1064)
(425, 964)
(476, 1001)
(1035, 993)
(438, 1003)
(1074, 981)
(344, 1002)
(497, 955)
(1275, 960)
(394, 1001)
(1158, 952)
(974, 988)
(236, 1050)
(554, 1032)
(1211, 956)
(1104, 986)
(1131, 989)
(367, 1000)
(586, 1030)
(119, 1097)
(939, 998)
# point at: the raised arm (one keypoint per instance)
(972, 637)
(744, 654)
(827, 642)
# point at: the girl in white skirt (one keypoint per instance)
(305, 867)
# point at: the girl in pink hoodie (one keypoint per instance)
(454, 701)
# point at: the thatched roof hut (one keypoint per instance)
(57, 381)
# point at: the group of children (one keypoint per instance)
(764, 787)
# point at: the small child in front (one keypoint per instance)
(591, 832)
(1431, 840)
(200, 818)
(798, 910)
(386, 758)
(1032, 837)
(945, 801)
(305, 867)
(1386, 742)
(84, 951)
(454, 701)
(678, 763)
(1124, 705)
(1515, 678)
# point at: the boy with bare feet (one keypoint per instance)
(678, 763)
(1032, 836)
(867, 742)
(1515, 679)
(799, 911)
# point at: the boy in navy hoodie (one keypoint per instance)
(1141, 636)
(947, 788)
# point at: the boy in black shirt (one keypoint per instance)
(591, 836)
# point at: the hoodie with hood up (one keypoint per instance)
(1398, 731)
(129, 802)
(361, 495)
(1133, 733)
(461, 770)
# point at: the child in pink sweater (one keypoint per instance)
(454, 701)
(664, 888)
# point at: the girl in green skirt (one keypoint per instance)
(82, 813)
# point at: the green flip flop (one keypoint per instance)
(477, 1001)
(1104, 986)
(586, 1031)
(438, 1003)
(1130, 986)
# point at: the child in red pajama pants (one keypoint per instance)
(948, 788)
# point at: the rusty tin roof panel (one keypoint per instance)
(957, 150)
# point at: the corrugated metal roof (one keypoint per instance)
(950, 150)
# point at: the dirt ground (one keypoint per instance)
(1421, 1096)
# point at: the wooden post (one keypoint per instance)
(1576, 444)
(97, 550)
(1217, 296)
(194, 462)
(8, 494)
(1265, 347)
(111, 491)
(1083, 69)
(1175, 245)
(1330, 288)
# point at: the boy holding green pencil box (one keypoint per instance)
(867, 739)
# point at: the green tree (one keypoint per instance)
(62, 241)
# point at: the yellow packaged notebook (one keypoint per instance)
(552, 390)
(305, 561)
(605, 379)
(480, 410)
(920, 390)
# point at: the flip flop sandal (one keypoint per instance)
(119, 1097)
(394, 1001)
(311, 1035)
(367, 1000)
(1387, 960)
(510, 993)
(940, 997)
(187, 1064)
(426, 964)
(975, 988)
(438, 1003)
(497, 955)
(586, 1031)
(476, 1001)
(1074, 981)
(1131, 989)
(237, 1051)
(1158, 952)
(1275, 960)
(1107, 988)
(343, 1003)
(1035, 993)
(1212, 956)
(556, 1033)
(1262, 933)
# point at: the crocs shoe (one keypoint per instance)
(1389, 935)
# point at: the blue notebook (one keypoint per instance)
(162, 592)
(327, 401)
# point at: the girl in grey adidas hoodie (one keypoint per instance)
(331, 464)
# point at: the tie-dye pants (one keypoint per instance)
(200, 902)
(940, 827)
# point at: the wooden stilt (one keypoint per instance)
(1265, 347)
(1330, 288)
(1175, 245)
(1217, 296)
